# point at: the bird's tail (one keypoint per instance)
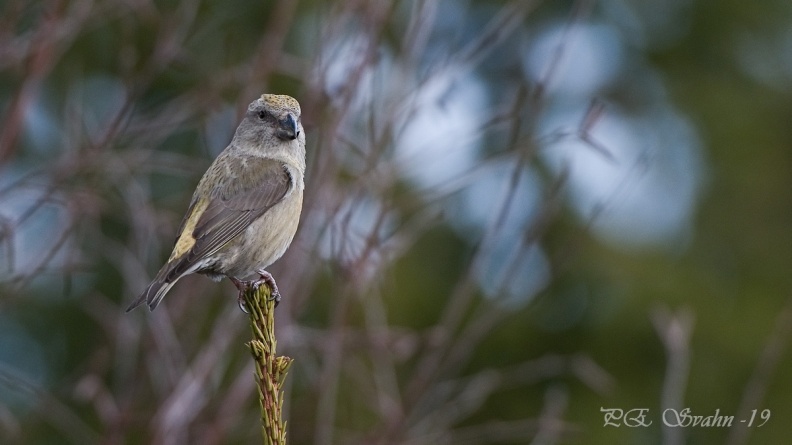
(153, 293)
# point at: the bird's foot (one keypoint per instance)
(266, 278)
(243, 286)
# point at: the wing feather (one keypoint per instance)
(260, 184)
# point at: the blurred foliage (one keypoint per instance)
(459, 296)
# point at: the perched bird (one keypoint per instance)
(245, 210)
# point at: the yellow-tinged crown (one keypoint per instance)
(281, 101)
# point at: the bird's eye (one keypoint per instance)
(262, 114)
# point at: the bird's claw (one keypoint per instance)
(243, 286)
(266, 278)
(242, 304)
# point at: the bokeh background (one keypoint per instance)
(517, 213)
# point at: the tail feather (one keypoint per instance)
(153, 294)
(165, 279)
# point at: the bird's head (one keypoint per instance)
(272, 124)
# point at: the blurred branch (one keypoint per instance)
(270, 369)
(54, 412)
(550, 422)
(674, 331)
(270, 47)
(756, 389)
(42, 48)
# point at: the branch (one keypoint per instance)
(270, 369)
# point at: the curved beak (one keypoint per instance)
(288, 128)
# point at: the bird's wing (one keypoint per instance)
(230, 208)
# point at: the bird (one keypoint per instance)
(246, 208)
